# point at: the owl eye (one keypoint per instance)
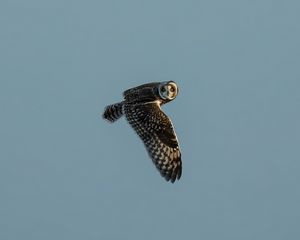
(172, 89)
(162, 89)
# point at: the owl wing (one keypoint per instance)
(157, 132)
(135, 90)
(141, 94)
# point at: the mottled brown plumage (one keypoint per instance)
(141, 107)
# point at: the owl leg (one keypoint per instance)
(113, 112)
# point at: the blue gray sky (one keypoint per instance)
(67, 174)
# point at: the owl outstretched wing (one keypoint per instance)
(157, 132)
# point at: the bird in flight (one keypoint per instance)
(142, 109)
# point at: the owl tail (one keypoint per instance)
(113, 112)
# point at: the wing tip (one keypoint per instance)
(173, 175)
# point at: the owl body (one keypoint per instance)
(141, 107)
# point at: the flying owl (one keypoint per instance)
(142, 109)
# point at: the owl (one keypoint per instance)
(142, 109)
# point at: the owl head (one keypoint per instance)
(168, 90)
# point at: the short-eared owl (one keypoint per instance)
(141, 107)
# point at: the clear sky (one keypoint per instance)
(67, 174)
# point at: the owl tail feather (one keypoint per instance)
(113, 112)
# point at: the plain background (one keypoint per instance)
(67, 174)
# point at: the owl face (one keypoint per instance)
(168, 90)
